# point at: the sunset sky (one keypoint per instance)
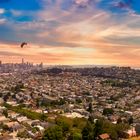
(100, 32)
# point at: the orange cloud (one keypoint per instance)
(91, 55)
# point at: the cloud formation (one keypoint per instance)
(73, 32)
(2, 11)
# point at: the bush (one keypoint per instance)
(108, 111)
(53, 133)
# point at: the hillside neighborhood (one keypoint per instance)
(31, 100)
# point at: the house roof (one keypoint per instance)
(104, 136)
(6, 137)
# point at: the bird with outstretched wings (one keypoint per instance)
(23, 44)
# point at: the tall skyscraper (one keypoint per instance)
(22, 60)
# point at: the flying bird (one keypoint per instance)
(23, 44)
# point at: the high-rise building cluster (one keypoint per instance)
(13, 67)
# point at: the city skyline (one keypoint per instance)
(71, 32)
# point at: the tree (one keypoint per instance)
(53, 133)
(98, 128)
(79, 123)
(88, 132)
(108, 111)
(43, 117)
(79, 101)
(91, 118)
(119, 128)
(130, 120)
(119, 120)
(90, 108)
(5, 127)
(5, 97)
(93, 129)
(22, 134)
(65, 123)
(38, 102)
(75, 136)
(5, 113)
